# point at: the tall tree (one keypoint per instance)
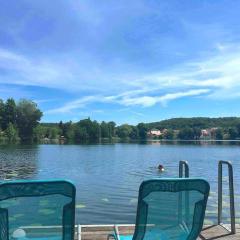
(105, 133)
(134, 134)
(219, 134)
(169, 134)
(80, 134)
(186, 134)
(28, 117)
(2, 107)
(124, 131)
(111, 126)
(10, 113)
(11, 133)
(68, 130)
(39, 133)
(142, 129)
(87, 130)
(196, 133)
(60, 125)
(232, 133)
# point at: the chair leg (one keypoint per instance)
(116, 232)
(111, 236)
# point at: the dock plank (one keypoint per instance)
(98, 232)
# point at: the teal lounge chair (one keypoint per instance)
(169, 209)
(37, 210)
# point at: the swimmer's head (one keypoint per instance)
(161, 168)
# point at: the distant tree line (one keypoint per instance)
(87, 130)
(18, 119)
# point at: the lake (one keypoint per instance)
(107, 176)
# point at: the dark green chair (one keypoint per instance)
(37, 210)
(169, 209)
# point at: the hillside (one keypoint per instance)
(195, 122)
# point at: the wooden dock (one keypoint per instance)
(100, 232)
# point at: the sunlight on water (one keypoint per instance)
(105, 199)
(80, 206)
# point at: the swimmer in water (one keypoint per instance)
(161, 168)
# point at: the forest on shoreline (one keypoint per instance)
(20, 122)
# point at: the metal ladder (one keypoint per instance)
(184, 172)
(183, 169)
(231, 195)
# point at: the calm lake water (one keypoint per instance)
(108, 176)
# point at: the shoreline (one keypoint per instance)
(122, 141)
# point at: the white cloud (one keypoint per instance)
(216, 77)
(76, 104)
(25, 71)
(69, 73)
(148, 101)
(126, 100)
(218, 73)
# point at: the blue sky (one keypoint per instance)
(127, 61)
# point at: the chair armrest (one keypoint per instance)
(115, 236)
(116, 232)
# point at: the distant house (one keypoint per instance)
(205, 133)
(154, 133)
(208, 133)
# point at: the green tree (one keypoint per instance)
(219, 134)
(238, 129)
(134, 134)
(111, 126)
(10, 113)
(52, 132)
(67, 130)
(105, 133)
(186, 134)
(87, 129)
(124, 131)
(60, 125)
(39, 133)
(142, 129)
(11, 133)
(80, 134)
(232, 133)
(94, 131)
(2, 107)
(196, 133)
(169, 134)
(28, 117)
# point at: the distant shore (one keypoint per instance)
(46, 141)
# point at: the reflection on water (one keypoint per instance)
(18, 163)
(108, 176)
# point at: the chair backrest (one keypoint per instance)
(171, 209)
(37, 209)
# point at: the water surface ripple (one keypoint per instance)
(108, 176)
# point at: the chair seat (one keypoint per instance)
(158, 235)
(126, 237)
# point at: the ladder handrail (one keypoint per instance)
(231, 193)
(183, 165)
(183, 170)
